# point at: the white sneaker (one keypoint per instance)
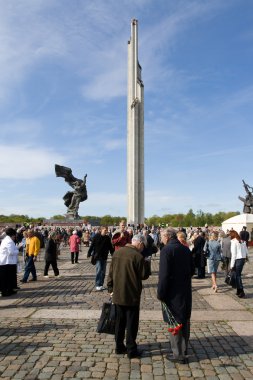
(98, 288)
(46, 276)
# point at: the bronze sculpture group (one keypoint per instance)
(72, 199)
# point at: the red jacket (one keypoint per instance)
(74, 242)
(119, 241)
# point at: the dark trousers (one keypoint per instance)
(54, 266)
(13, 276)
(30, 268)
(8, 278)
(226, 264)
(74, 257)
(201, 272)
(179, 342)
(239, 263)
(127, 318)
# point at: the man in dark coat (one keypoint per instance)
(244, 235)
(174, 289)
(128, 269)
(198, 254)
(100, 247)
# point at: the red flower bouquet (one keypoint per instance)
(173, 326)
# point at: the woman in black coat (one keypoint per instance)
(51, 255)
(199, 255)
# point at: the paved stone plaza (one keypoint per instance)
(48, 330)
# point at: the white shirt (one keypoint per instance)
(238, 251)
(8, 251)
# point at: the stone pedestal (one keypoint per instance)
(67, 222)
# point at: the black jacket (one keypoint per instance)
(174, 284)
(148, 250)
(198, 252)
(50, 250)
(101, 246)
(244, 235)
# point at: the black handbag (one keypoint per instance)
(154, 248)
(206, 249)
(231, 279)
(107, 320)
(93, 259)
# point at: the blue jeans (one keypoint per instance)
(239, 263)
(100, 272)
(30, 268)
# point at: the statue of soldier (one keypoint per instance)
(248, 200)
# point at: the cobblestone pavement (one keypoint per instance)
(48, 330)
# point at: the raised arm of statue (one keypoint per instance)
(247, 188)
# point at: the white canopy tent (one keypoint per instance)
(237, 222)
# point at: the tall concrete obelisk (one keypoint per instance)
(135, 132)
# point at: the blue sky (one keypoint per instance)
(63, 87)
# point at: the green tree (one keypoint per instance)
(200, 218)
(219, 218)
(174, 220)
(58, 217)
(107, 220)
(209, 219)
(153, 220)
(189, 219)
(166, 219)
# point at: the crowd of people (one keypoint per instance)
(183, 254)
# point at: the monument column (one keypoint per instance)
(135, 132)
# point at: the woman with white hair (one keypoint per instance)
(74, 243)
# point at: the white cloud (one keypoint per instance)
(26, 38)
(21, 129)
(163, 202)
(33, 206)
(24, 162)
(159, 39)
(107, 85)
(81, 47)
(115, 144)
(104, 204)
(92, 40)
